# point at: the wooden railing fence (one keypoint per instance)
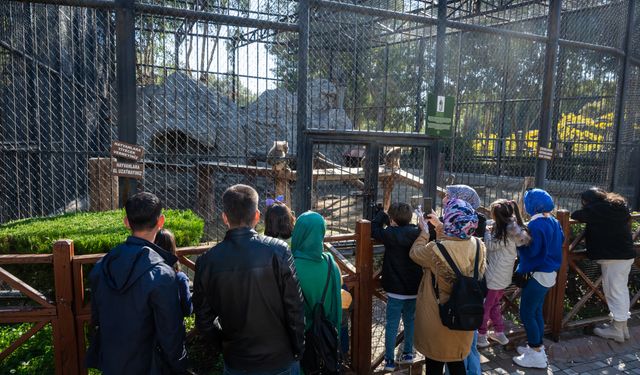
(70, 312)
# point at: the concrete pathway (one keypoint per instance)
(584, 355)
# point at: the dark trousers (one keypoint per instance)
(436, 367)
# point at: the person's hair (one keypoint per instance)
(279, 221)
(595, 194)
(143, 211)
(401, 213)
(502, 212)
(166, 240)
(240, 203)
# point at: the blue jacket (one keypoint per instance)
(544, 253)
(135, 307)
(185, 293)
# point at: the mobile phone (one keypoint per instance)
(427, 206)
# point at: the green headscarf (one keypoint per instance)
(311, 267)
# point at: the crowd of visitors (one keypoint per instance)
(276, 303)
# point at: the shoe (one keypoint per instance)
(390, 366)
(499, 337)
(532, 359)
(482, 341)
(522, 349)
(406, 359)
(625, 331)
(613, 331)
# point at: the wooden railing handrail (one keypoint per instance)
(26, 259)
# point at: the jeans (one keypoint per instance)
(615, 280)
(344, 338)
(292, 369)
(472, 362)
(492, 312)
(531, 303)
(396, 308)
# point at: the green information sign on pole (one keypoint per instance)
(439, 117)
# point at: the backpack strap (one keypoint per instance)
(475, 267)
(449, 260)
(326, 284)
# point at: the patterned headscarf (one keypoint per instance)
(465, 193)
(460, 220)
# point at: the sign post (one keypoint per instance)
(439, 119)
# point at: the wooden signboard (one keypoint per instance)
(126, 151)
(545, 153)
(131, 170)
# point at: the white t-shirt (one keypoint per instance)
(546, 279)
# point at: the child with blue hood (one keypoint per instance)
(540, 260)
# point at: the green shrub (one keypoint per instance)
(35, 356)
(91, 232)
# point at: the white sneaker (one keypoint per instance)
(532, 359)
(498, 337)
(523, 349)
(482, 341)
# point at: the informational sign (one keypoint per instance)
(439, 119)
(124, 169)
(127, 151)
(545, 153)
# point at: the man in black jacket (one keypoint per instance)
(247, 295)
(135, 308)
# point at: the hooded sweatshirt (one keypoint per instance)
(544, 253)
(311, 265)
(136, 310)
(607, 233)
(400, 274)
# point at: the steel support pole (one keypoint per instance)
(422, 46)
(431, 177)
(441, 33)
(126, 84)
(621, 94)
(548, 87)
(304, 161)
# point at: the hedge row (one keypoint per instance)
(91, 232)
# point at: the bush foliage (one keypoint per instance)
(91, 232)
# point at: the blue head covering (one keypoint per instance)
(465, 193)
(460, 220)
(537, 201)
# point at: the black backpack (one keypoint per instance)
(321, 354)
(465, 307)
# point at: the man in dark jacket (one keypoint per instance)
(247, 296)
(400, 277)
(135, 307)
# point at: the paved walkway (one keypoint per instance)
(584, 355)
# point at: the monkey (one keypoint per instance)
(392, 158)
(277, 154)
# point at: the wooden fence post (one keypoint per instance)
(63, 326)
(363, 306)
(554, 303)
(103, 187)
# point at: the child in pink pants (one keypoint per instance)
(507, 233)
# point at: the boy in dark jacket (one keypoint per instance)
(400, 277)
(135, 306)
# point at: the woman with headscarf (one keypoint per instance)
(440, 345)
(312, 267)
(468, 194)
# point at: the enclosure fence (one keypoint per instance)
(207, 87)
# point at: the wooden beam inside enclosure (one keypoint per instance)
(103, 186)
